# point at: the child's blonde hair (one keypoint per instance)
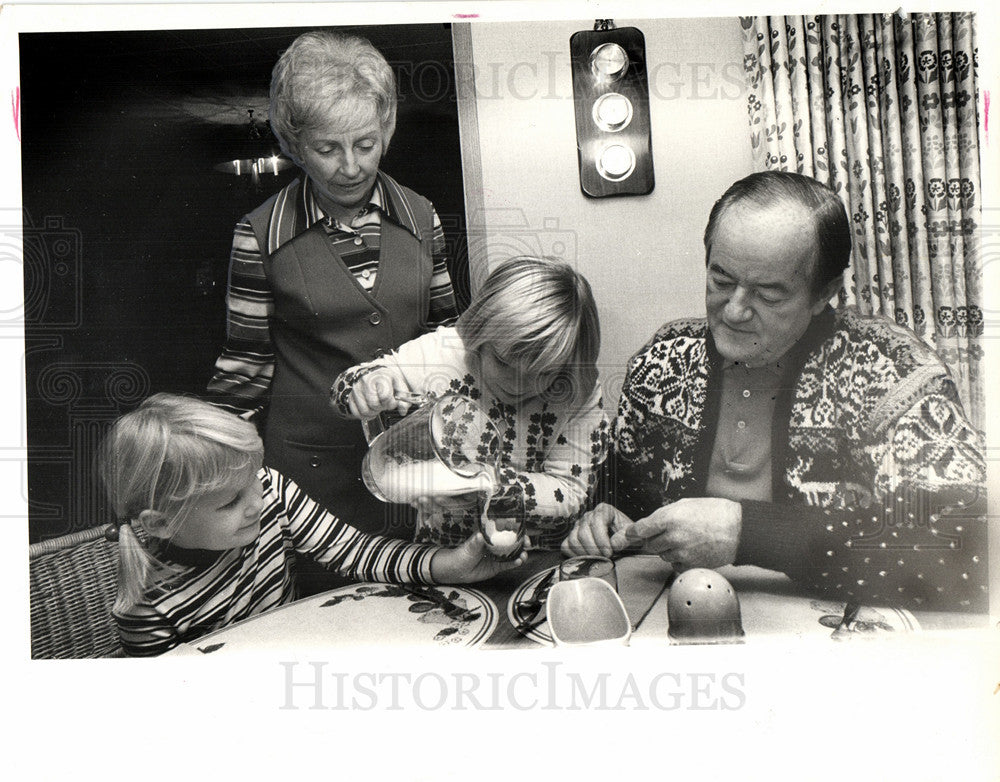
(161, 457)
(541, 312)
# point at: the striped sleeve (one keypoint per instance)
(442, 310)
(145, 632)
(244, 370)
(342, 548)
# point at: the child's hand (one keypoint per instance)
(469, 563)
(600, 531)
(376, 392)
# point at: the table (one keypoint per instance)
(477, 615)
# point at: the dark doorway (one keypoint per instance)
(127, 224)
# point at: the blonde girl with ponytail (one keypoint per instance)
(222, 530)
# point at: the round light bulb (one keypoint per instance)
(616, 162)
(612, 112)
(609, 61)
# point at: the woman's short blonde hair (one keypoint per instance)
(541, 313)
(325, 76)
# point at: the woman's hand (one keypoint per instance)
(469, 562)
(378, 391)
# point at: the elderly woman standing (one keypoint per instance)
(337, 268)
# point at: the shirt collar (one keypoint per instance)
(775, 368)
(191, 557)
(820, 328)
(379, 201)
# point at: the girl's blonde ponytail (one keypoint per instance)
(135, 568)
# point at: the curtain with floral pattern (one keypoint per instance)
(885, 110)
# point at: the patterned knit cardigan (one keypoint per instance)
(878, 477)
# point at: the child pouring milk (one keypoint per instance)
(526, 351)
(223, 530)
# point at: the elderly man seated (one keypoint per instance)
(781, 433)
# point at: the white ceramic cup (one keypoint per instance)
(587, 612)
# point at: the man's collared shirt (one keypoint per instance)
(740, 468)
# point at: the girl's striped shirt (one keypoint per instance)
(212, 589)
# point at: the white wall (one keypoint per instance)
(643, 255)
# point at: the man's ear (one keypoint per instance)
(155, 522)
(827, 292)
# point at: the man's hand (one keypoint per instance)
(469, 562)
(376, 392)
(693, 532)
(599, 531)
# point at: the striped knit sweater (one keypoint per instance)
(213, 589)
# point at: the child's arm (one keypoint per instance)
(556, 494)
(145, 632)
(338, 546)
(375, 386)
(352, 553)
(468, 562)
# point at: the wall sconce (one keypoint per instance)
(611, 96)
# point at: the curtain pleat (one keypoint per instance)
(884, 109)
